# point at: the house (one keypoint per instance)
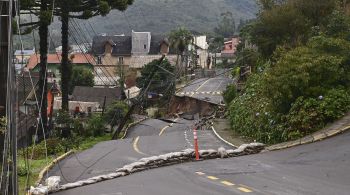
(200, 47)
(54, 63)
(27, 90)
(123, 54)
(21, 58)
(91, 99)
(230, 48)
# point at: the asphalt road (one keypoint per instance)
(151, 137)
(321, 168)
(207, 89)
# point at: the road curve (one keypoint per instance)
(321, 168)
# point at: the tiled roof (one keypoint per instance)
(95, 94)
(34, 60)
(122, 45)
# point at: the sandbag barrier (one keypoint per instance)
(188, 155)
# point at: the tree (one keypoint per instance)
(85, 9)
(315, 10)
(227, 26)
(179, 40)
(115, 113)
(216, 44)
(44, 14)
(163, 81)
(81, 77)
(282, 25)
(229, 94)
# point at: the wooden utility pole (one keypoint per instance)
(138, 100)
(4, 44)
(8, 99)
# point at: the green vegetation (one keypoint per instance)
(301, 79)
(227, 25)
(76, 134)
(162, 82)
(115, 113)
(2, 125)
(81, 77)
(39, 161)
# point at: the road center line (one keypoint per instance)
(200, 86)
(164, 128)
(244, 189)
(212, 178)
(136, 148)
(200, 173)
(227, 183)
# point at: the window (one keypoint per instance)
(145, 46)
(99, 60)
(121, 60)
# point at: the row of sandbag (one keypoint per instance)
(52, 183)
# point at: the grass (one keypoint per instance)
(36, 165)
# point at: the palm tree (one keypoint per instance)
(179, 40)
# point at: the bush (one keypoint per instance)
(22, 169)
(335, 104)
(54, 146)
(95, 125)
(2, 125)
(115, 113)
(311, 114)
(305, 116)
(230, 93)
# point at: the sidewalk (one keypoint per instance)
(223, 128)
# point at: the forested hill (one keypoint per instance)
(156, 16)
(160, 16)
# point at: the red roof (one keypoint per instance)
(80, 58)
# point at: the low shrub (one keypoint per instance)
(95, 125)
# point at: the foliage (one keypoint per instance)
(2, 125)
(115, 113)
(247, 57)
(161, 79)
(227, 26)
(308, 115)
(180, 39)
(95, 125)
(81, 77)
(304, 81)
(274, 28)
(216, 44)
(230, 93)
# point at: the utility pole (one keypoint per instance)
(8, 98)
(138, 100)
(3, 79)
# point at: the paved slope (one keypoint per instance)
(208, 89)
(150, 137)
(321, 168)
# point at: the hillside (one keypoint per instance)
(157, 16)
(161, 16)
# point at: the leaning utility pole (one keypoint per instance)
(138, 100)
(9, 183)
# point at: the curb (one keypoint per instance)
(318, 136)
(51, 165)
(222, 139)
(131, 125)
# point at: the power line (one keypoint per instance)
(85, 39)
